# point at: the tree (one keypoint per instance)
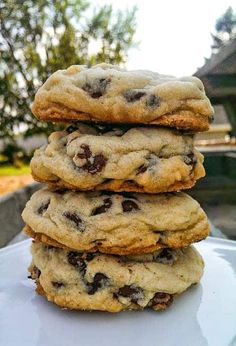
(225, 29)
(40, 37)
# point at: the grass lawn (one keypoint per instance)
(9, 170)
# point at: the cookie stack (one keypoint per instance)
(110, 231)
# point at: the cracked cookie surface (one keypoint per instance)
(108, 93)
(120, 223)
(118, 158)
(112, 283)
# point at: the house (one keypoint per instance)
(219, 78)
(219, 143)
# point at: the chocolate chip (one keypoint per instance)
(161, 298)
(133, 292)
(76, 260)
(107, 203)
(153, 101)
(166, 253)
(73, 258)
(93, 164)
(134, 95)
(74, 218)
(129, 205)
(43, 207)
(190, 159)
(141, 169)
(87, 152)
(165, 256)
(57, 284)
(97, 88)
(99, 162)
(99, 281)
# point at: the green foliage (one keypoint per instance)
(39, 37)
(14, 155)
(9, 170)
(225, 29)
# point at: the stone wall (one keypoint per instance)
(11, 206)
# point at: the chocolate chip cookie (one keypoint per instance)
(121, 223)
(118, 158)
(111, 283)
(111, 94)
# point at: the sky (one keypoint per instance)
(174, 36)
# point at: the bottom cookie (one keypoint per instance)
(113, 283)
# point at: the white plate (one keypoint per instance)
(204, 315)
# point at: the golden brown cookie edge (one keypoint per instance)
(185, 120)
(116, 186)
(183, 239)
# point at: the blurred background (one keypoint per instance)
(38, 37)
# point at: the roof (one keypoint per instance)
(223, 62)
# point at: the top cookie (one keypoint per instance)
(108, 93)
